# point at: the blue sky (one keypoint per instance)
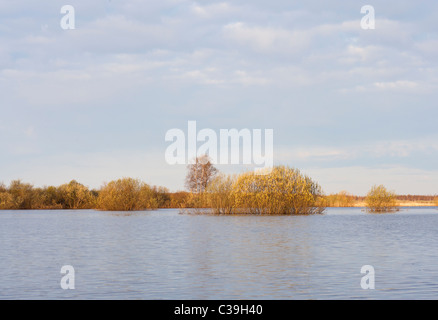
(350, 107)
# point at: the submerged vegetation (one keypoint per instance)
(341, 199)
(124, 194)
(21, 195)
(284, 190)
(379, 199)
(280, 191)
(220, 194)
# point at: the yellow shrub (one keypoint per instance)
(379, 199)
(126, 194)
(341, 199)
(219, 194)
(282, 191)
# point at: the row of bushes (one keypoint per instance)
(378, 199)
(341, 199)
(344, 199)
(21, 195)
(282, 191)
(123, 194)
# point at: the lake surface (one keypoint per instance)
(165, 255)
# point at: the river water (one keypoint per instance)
(165, 255)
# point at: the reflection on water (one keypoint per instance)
(165, 255)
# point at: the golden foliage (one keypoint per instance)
(21, 194)
(126, 194)
(220, 194)
(75, 196)
(5, 200)
(341, 199)
(282, 191)
(379, 199)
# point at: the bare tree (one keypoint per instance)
(200, 173)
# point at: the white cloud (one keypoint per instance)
(247, 79)
(402, 86)
(179, 58)
(396, 85)
(266, 39)
(214, 10)
(429, 47)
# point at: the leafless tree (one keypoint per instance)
(200, 173)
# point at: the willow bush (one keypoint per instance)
(5, 197)
(74, 196)
(220, 194)
(21, 196)
(340, 199)
(282, 191)
(379, 199)
(126, 194)
(47, 198)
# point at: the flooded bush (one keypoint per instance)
(47, 198)
(379, 199)
(220, 196)
(74, 196)
(283, 191)
(341, 199)
(5, 198)
(21, 195)
(162, 196)
(126, 194)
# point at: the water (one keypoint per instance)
(164, 255)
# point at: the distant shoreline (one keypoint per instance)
(224, 196)
(400, 204)
(405, 204)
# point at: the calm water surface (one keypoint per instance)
(164, 255)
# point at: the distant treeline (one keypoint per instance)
(247, 192)
(345, 199)
(283, 191)
(124, 194)
(410, 197)
(342, 199)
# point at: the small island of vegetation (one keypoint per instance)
(379, 200)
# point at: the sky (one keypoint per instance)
(350, 107)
